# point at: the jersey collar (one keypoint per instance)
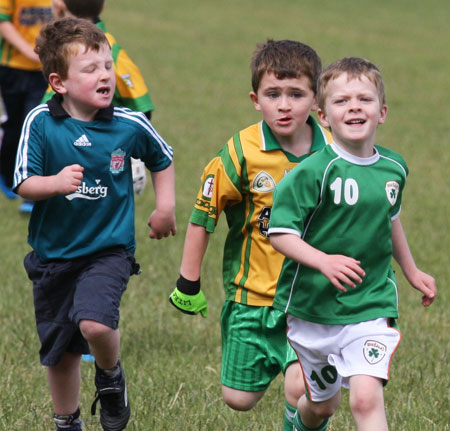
(56, 109)
(364, 161)
(269, 142)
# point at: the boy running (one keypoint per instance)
(239, 181)
(336, 219)
(74, 161)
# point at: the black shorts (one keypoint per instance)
(67, 291)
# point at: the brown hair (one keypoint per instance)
(55, 43)
(285, 59)
(354, 67)
(85, 8)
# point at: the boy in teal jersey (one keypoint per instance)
(239, 181)
(74, 161)
(336, 219)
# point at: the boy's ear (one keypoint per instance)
(254, 99)
(383, 114)
(315, 105)
(323, 118)
(59, 9)
(56, 82)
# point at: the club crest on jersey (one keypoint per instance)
(392, 189)
(263, 182)
(374, 351)
(208, 187)
(117, 161)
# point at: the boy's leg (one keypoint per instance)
(96, 311)
(64, 381)
(240, 400)
(294, 388)
(367, 403)
(104, 342)
(313, 415)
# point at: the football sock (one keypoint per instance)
(299, 426)
(289, 414)
(112, 372)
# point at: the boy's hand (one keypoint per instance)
(162, 224)
(426, 284)
(68, 179)
(342, 269)
(188, 297)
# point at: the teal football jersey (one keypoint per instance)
(100, 214)
(340, 204)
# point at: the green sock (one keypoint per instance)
(299, 426)
(289, 414)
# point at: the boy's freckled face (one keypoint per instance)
(284, 103)
(90, 82)
(353, 110)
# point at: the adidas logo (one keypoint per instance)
(82, 141)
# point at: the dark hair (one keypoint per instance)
(354, 67)
(85, 8)
(56, 41)
(285, 59)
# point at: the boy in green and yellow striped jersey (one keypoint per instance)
(239, 181)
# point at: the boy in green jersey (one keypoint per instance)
(336, 219)
(239, 181)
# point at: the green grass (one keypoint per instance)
(195, 57)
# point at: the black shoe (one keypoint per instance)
(113, 396)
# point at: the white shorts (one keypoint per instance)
(330, 354)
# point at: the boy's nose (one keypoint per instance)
(284, 103)
(354, 105)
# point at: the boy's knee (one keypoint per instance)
(240, 400)
(323, 409)
(366, 396)
(363, 403)
(294, 386)
(90, 329)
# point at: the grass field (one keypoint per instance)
(195, 57)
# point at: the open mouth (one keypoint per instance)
(358, 121)
(284, 120)
(103, 90)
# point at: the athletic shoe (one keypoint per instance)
(113, 396)
(27, 206)
(68, 422)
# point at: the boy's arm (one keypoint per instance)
(337, 268)
(162, 220)
(421, 281)
(10, 33)
(37, 187)
(195, 245)
(187, 296)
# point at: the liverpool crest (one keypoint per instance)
(117, 161)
